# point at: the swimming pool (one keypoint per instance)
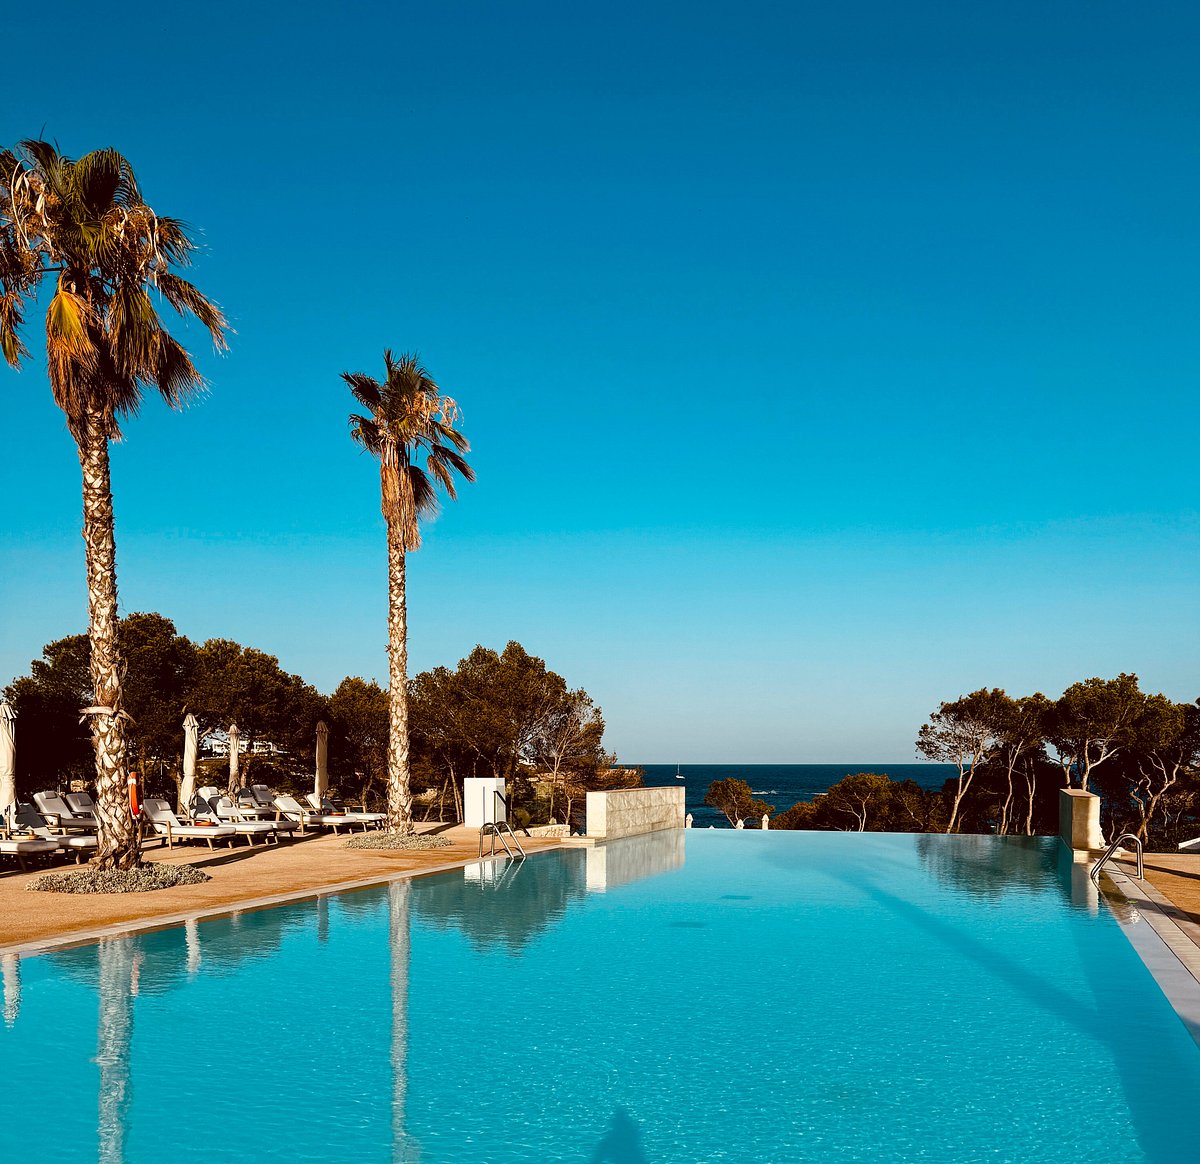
(681, 997)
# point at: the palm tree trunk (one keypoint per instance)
(117, 831)
(399, 790)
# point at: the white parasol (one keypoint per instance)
(8, 755)
(321, 784)
(191, 746)
(234, 744)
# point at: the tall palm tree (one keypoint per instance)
(408, 421)
(83, 226)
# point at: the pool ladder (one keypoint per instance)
(503, 830)
(1108, 853)
(499, 829)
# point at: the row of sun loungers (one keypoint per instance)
(28, 833)
(66, 823)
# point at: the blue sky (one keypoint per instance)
(820, 362)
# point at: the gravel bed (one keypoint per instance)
(141, 880)
(396, 841)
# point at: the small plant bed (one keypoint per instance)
(143, 879)
(386, 840)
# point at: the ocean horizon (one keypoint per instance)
(779, 785)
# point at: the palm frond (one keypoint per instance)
(185, 298)
(447, 432)
(174, 374)
(10, 328)
(364, 389)
(97, 178)
(424, 496)
(69, 320)
(365, 432)
(175, 241)
(133, 329)
(45, 157)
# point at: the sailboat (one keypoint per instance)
(678, 774)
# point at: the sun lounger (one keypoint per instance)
(326, 806)
(78, 844)
(1192, 846)
(257, 796)
(81, 803)
(168, 826)
(26, 846)
(230, 813)
(220, 810)
(292, 809)
(60, 814)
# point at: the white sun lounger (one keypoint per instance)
(221, 811)
(1192, 846)
(259, 795)
(81, 804)
(325, 805)
(77, 843)
(167, 825)
(256, 803)
(26, 846)
(230, 813)
(60, 814)
(292, 809)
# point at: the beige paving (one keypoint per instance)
(1172, 886)
(241, 878)
(1177, 877)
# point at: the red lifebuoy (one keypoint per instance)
(135, 801)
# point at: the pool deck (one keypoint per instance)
(1170, 897)
(242, 878)
(1176, 876)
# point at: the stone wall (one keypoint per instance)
(628, 812)
(1079, 820)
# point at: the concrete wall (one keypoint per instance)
(1079, 820)
(631, 811)
(480, 806)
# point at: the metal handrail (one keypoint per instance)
(516, 839)
(496, 829)
(1137, 844)
(490, 830)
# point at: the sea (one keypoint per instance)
(780, 785)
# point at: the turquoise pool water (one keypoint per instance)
(682, 997)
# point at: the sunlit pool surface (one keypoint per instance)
(680, 997)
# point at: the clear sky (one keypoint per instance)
(821, 362)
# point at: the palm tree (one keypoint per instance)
(83, 225)
(408, 420)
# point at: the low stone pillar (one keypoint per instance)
(1079, 820)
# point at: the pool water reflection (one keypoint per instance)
(735, 996)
